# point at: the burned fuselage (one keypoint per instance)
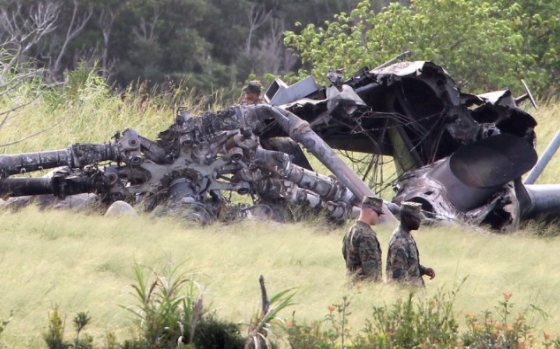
(194, 164)
(458, 154)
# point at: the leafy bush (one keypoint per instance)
(420, 323)
(487, 332)
(413, 322)
(321, 334)
(477, 48)
(428, 323)
(213, 333)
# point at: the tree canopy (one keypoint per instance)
(484, 45)
(211, 43)
(222, 43)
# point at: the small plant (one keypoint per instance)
(166, 313)
(214, 333)
(80, 321)
(338, 320)
(259, 326)
(170, 315)
(54, 336)
(412, 324)
(192, 314)
(549, 342)
(486, 332)
(111, 341)
(331, 332)
(325, 334)
(304, 336)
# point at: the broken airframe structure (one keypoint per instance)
(460, 155)
(192, 163)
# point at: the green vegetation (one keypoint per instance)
(427, 323)
(408, 323)
(476, 41)
(213, 44)
(54, 337)
(210, 43)
(84, 110)
(85, 263)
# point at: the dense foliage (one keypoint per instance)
(483, 44)
(214, 43)
(170, 319)
(219, 43)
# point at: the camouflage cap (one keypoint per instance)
(412, 209)
(253, 86)
(374, 203)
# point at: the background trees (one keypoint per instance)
(220, 43)
(484, 45)
(214, 43)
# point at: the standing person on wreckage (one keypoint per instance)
(252, 93)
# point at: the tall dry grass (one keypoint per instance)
(86, 110)
(548, 118)
(85, 263)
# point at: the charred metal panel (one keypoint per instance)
(494, 161)
(474, 184)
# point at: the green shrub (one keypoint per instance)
(421, 323)
(323, 334)
(414, 322)
(168, 307)
(307, 336)
(488, 332)
(170, 314)
(407, 323)
(54, 336)
(214, 333)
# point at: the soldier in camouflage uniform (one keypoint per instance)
(403, 259)
(360, 247)
(252, 93)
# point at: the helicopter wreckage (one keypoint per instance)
(460, 155)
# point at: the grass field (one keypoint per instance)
(85, 262)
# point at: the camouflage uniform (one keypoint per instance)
(403, 259)
(362, 253)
